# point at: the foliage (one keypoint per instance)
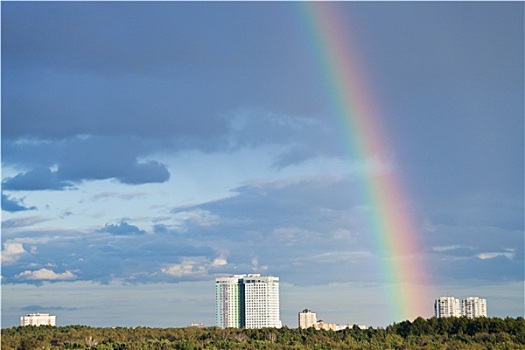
(434, 333)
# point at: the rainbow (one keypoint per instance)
(395, 238)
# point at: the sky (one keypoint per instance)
(148, 148)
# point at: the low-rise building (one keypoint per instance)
(38, 319)
(307, 318)
(326, 326)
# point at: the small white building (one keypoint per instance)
(38, 319)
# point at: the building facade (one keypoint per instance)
(325, 326)
(473, 307)
(247, 301)
(447, 307)
(38, 320)
(307, 318)
(229, 301)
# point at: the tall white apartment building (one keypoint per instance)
(473, 307)
(447, 307)
(307, 318)
(38, 320)
(247, 301)
(261, 301)
(229, 301)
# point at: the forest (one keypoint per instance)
(434, 333)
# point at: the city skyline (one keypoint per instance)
(252, 301)
(370, 154)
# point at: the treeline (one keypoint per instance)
(434, 333)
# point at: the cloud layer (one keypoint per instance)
(312, 224)
(13, 205)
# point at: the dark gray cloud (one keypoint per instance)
(13, 205)
(475, 253)
(34, 180)
(99, 157)
(476, 270)
(46, 179)
(165, 80)
(302, 138)
(95, 44)
(170, 83)
(160, 228)
(150, 172)
(319, 226)
(37, 308)
(82, 158)
(468, 241)
(23, 222)
(122, 228)
(288, 201)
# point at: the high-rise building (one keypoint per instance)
(447, 307)
(261, 301)
(229, 301)
(247, 301)
(473, 307)
(38, 320)
(307, 318)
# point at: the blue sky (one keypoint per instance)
(149, 147)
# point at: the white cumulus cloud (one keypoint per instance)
(491, 255)
(219, 262)
(188, 267)
(12, 252)
(197, 217)
(46, 275)
(194, 266)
